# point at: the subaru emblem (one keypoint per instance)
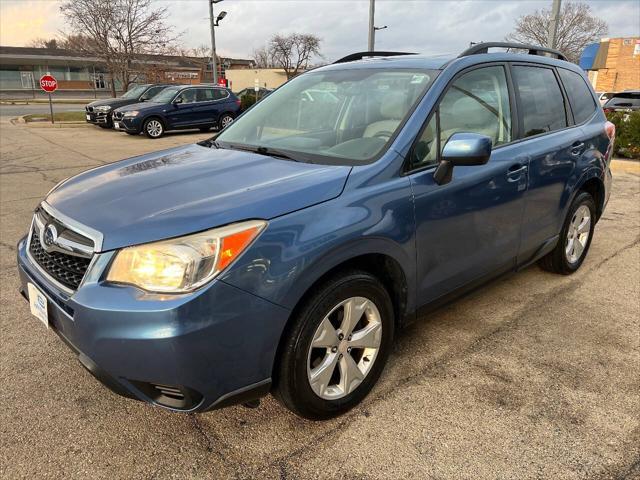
(50, 235)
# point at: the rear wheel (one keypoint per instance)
(337, 347)
(575, 237)
(153, 128)
(225, 120)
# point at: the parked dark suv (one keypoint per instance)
(179, 107)
(100, 112)
(283, 254)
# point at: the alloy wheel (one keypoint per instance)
(226, 120)
(578, 234)
(154, 128)
(344, 348)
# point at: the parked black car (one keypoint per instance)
(179, 107)
(626, 101)
(100, 112)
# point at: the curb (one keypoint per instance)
(47, 124)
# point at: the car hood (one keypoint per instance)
(112, 102)
(189, 189)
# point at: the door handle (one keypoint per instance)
(577, 148)
(516, 169)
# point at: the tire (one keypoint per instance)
(225, 120)
(299, 362)
(565, 258)
(153, 128)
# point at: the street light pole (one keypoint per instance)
(214, 67)
(372, 28)
(553, 24)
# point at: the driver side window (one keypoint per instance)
(476, 102)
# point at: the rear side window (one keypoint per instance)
(580, 98)
(541, 100)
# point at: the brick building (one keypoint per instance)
(22, 67)
(613, 64)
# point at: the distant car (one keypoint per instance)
(100, 112)
(263, 92)
(603, 97)
(627, 101)
(179, 107)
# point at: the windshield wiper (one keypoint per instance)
(272, 152)
(210, 143)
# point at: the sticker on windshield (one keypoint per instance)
(419, 78)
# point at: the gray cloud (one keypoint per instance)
(436, 26)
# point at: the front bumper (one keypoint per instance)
(103, 118)
(128, 124)
(215, 346)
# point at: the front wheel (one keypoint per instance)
(575, 237)
(337, 347)
(153, 128)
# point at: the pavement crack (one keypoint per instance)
(201, 431)
(538, 301)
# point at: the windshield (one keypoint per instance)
(341, 117)
(135, 92)
(166, 95)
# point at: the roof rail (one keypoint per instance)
(360, 55)
(533, 49)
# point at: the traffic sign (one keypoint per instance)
(48, 83)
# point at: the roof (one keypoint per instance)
(429, 62)
(65, 54)
(439, 62)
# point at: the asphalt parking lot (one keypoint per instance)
(532, 376)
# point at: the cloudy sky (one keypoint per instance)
(413, 25)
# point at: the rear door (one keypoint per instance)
(554, 146)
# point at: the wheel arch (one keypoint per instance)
(591, 182)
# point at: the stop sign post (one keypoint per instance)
(49, 84)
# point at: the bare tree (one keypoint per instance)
(118, 32)
(577, 27)
(293, 52)
(50, 43)
(263, 58)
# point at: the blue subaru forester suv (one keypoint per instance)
(281, 255)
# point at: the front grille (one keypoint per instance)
(66, 269)
(118, 115)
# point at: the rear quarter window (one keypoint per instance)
(579, 93)
(541, 100)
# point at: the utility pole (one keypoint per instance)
(553, 24)
(372, 28)
(214, 67)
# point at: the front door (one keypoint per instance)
(182, 113)
(469, 228)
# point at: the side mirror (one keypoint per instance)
(462, 149)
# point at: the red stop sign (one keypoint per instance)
(48, 83)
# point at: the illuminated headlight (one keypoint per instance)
(183, 264)
(131, 113)
(102, 108)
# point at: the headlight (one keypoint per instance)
(102, 108)
(183, 264)
(131, 113)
